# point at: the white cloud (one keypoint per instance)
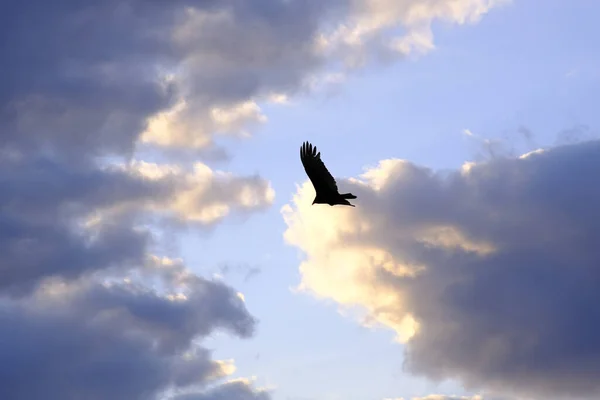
(367, 25)
(187, 126)
(198, 196)
(235, 57)
(466, 267)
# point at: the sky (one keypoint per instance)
(156, 229)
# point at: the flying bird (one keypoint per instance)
(323, 182)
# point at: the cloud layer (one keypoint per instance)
(80, 79)
(488, 273)
(92, 96)
(120, 340)
(87, 309)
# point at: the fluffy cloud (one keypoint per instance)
(370, 31)
(81, 78)
(200, 196)
(239, 53)
(89, 92)
(81, 220)
(119, 339)
(87, 310)
(488, 273)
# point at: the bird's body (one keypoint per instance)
(323, 182)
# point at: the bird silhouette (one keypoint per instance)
(323, 182)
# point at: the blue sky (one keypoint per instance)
(98, 182)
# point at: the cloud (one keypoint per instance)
(370, 31)
(202, 196)
(82, 220)
(79, 79)
(444, 397)
(91, 92)
(115, 320)
(575, 134)
(121, 340)
(247, 271)
(452, 397)
(488, 274)
(88, 310)
(236, 389)
(239, 54)
(41, 202)
(510, 144)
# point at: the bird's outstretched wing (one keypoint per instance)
(316, 170)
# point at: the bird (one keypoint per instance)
(323, 182)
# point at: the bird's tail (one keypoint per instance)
(348, 196)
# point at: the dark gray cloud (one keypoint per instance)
(86, 311)
(59, 358)
(272, 40)
(173, 321)
(70, 323)
(497, 264)
(83, 78)
(118, 341)
(32, 252)
(42, 204)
